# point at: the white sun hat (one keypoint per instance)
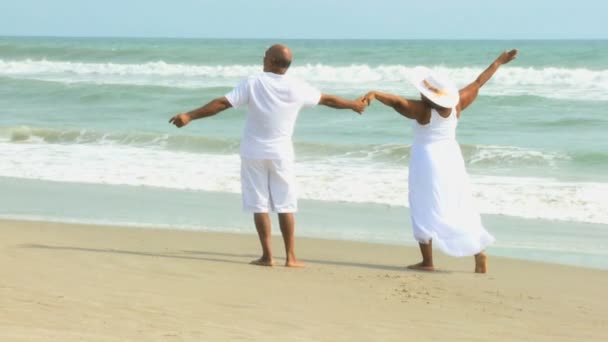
(437, 88)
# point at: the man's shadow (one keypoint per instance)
(221, 257)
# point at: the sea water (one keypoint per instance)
(89, 117)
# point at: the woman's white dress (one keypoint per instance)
(441, 203)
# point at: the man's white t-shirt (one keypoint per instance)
(273, 104)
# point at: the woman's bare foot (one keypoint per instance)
(262, 262)
(294, 263)
(481, 263)
(422, 267)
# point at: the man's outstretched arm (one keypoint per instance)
(213, 107)
(337, 102)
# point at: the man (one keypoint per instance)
(273, 103)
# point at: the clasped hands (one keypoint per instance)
(363, 102)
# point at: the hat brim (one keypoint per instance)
(449, 99)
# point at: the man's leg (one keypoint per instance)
(427, 258)
(481, 262)
(287, 223)
(263, 226)
(254, 188)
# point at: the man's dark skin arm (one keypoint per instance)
(213, 107)
(337, 102)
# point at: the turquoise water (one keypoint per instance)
(95, 111)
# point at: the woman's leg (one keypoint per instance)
(426, 249)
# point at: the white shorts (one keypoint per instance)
(268, 184)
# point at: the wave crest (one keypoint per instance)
(550, 82)
(477, 156)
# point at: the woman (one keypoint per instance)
(439, 193)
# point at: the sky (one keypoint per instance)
(313, 19)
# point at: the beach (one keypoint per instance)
(74, 282)
(533, 143)
(117, 226)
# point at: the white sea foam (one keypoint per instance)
(509, 156)
(550, 82)
(478, 156)
(330, 179)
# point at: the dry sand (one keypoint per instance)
(62, 282)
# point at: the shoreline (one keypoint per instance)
(569, 243)
(74, 282)
(275, 235)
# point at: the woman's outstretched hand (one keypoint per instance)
(507, 56)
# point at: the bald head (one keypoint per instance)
(277, 59)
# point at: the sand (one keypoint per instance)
(73, 282)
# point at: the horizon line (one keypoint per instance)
(300, 38)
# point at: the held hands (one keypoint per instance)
(359, 105)
(369, 97)
(363, 102)
(507, 56)
(180, 120)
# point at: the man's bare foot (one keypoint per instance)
(481, 263)
(262, 262)
(292, 263)
(422, 267)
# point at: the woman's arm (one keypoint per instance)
(411, 109)
(469, 93)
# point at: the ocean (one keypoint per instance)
(84, 127)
